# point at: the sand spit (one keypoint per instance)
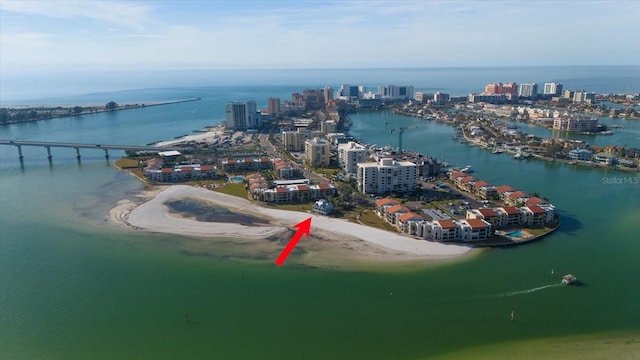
(365, 241)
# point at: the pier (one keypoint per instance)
(77, 146)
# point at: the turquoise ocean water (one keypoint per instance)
(74, 286)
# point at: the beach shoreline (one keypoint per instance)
(332, 242)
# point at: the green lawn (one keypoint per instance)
(235, 189)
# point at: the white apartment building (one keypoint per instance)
(294, 140)
(528, 90)
(317, 152)
(386, 176)
(552, 88)
(241, 115)
(394, 92)
(350, 154)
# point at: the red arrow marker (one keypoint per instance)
(303, 228)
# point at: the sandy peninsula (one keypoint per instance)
(331, 240)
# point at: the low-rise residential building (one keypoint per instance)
(392, 212)
(295, 193)
(246, 164)
(382, 204)
(323, 206)
(155, 172)
(511, 216)
(408, 222)
(580, 154)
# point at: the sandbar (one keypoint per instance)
(362, 241)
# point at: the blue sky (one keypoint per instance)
(88, 34)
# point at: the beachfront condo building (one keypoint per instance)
(242, 115)
(386, 176)
(350, 155)
(528, 90)
(317, 152)
(552, 88)
(501, 89)
(394, 92)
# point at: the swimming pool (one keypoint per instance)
(236, 179)
(515, 234)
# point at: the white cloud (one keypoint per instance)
(126, 14)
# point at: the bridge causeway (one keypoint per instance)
(77, 146)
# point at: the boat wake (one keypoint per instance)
(521, 292)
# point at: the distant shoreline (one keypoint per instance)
(63, 111)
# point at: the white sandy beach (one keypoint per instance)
(154, 216)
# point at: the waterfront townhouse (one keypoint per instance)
(484, 190)
(517, 198)
(382, 204)
(466, 183)
(457, 174)
(350, 155)
(511, 216)
(546, 206)
(392, 212)
(504, 191)
(533, 216)
(479, 230)
(317, 152)
(408, 223)
(441, 230)
(386, 176)
(487, 214)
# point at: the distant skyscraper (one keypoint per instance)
(274, 106)
(552, 89)
(395, 92)
(328, 93)
(440, 98)
(349, 92)
(500, 88)
(528, 90)
(241, 115)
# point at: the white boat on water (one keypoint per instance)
(467, 169)
(519, 156)
(569, 279)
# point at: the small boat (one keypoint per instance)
(569, 279)
(519, 156)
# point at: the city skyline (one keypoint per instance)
(117, 35)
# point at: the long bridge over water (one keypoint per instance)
(77, 146)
